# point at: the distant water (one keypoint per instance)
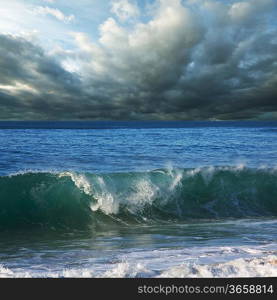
(138, 199)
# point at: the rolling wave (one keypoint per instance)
(75, 200)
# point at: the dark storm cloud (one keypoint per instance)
(198, 60)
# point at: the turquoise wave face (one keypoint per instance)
(74, 200)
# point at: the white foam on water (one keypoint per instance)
(80, 181)
(33, 171)
(208, 172)
(144, 192)
(176, 178)
(75, 273)
(106, 200)
(8, 273)
(128, 270)
(242, 267)
(257, 267)
(5, 272)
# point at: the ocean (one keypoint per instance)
(138, 199)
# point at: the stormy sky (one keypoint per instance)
(138, 60)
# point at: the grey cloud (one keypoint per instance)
(42, 86)
(177, 66)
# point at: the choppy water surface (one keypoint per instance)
(181, 199)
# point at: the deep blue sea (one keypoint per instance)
(138, 199)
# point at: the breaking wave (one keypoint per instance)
(78, 200)
(242, 267)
